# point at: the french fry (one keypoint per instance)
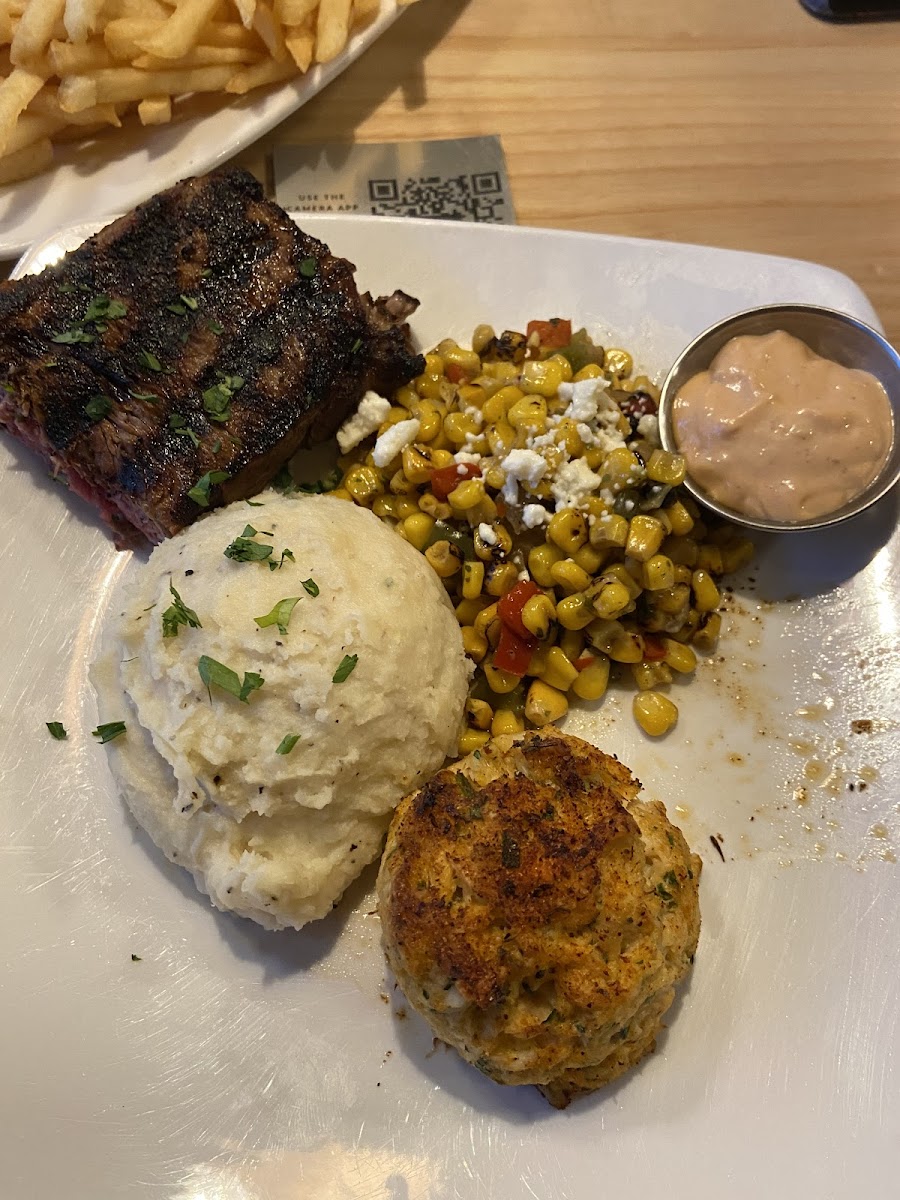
(364, 12)
(294, 12)
(66, 59)
(6, 25)
(148, 10)
(46, 103)
(16, 93)
(269, 31)
(263, 73)
(31, 128)
(200, 56)
(181, 31)
(155, 110)
(301, 45)
(26, 162)
(81, 18)
(245, 10)
(34, 31)
(332, 28)
(123, 85)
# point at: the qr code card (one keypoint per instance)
(459, 180)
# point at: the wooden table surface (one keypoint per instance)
(741, 123)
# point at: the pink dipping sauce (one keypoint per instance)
(775, 431)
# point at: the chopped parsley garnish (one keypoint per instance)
(98, 406)
(66, 288)
(57, 730)
(347, 665)
(308, 267)
(206, 272)
(149, 360)
(255, 503)
(190, 302)
(287, 743)
(280, 614)
(510, 854)
(106, 733)
(151, 396)
(273, 566)
(213, 672)
(72, 337)
(215, 327)
(199, 493)
(178, 614)
(244, 549)
(465, 785)
(328, 484)
(178, 424)
(177, 308)
(356, 347)
(311, 587)
(101, 308)
(217, 399)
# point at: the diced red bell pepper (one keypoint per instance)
(509, 606)
(586, 660)
(553, 334)
(445, 479)
(513, 653)
(654, 648)
(455, 373)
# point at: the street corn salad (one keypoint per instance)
(528, 471)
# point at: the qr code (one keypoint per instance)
(458, 198)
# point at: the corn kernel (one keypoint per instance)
(683, 551)
(434, 507)
(496, 408)
(622, 468)
(588, 371)
(628, 647)
(572, 644)
(608, 531)
(430, 419)
(417, 463)
(706, 594)
(466, 360)
(466, 495)
(496, 547)
(564, 365)
(649, 675)
(610, 599)
(707, 635)
(482, 336)
(618, 363)
(672, 600)
(364, 484)
(568, 529)
(340, 493)
(428, 385)
(569, 576)
(679, 657)
(658, 572)
(445, 558)
(474, 643)
(737, 554)
(574, 612)
(406, 396)
(556, 670)
(488, 623)
(472, 579)
(655, 713)
(467, 610)
(405, 506)
(472, 739)
(544, 704)
(500, 681)
(434, 364)
(458, 426)
(645, 536)
(603, 633)
(417, 529)
(506, 721)
(538, 614)
(401, 486)
(589, 559)
(385, 506)
(666, 467)
(479, 713)
(593, 680)
(500, 577)
(541, 378)
(530, 414)
(540, 561)
(709, 559)
(501, 439)
(681, 520)
(682, 574)
(621, 574)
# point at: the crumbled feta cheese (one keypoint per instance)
(522, 466)
(573, 483)
(467, 456)
(373, 409)
(648, 428)
(394, 440)
(534, 515)
(487, 534)
(584, 399)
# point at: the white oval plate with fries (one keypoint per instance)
(104, 102)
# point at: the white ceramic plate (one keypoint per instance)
(234, 1064)
(123, 167)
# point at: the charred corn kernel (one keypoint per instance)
(506, 721)
(458, 426)
(679, 657)
(540, 561)
(394, 417)
(610, 600)
(538, 614)
(682, 574)
(665, 467)
(568, 529)
(622, 468)
(658, 572)
(505, 372)
(496, 547)
(672, 600)
(401, 486)
(501, 439)
(488, 621)
(494, 477)
(618, 362)
(466, 495)
(500, 681)
(590, 559)
(472, 739)
(364, 484)
(708, 633)
(574, 612)
(481, 336)
(588, 371)
(709, 559)
(474, 643)
(406, 396)
(483, 513)
(434, 363)
(568, 438)
(545, 704)
(569, 576)
(417, 464)
(706, 594)
(466, 360)
(430, 420)
(434, 507)
(541, 378)
(689, 626)
(680, 519)
(645, 536)
(385, 506)
(429, 385)
(655, 713)
(628, 647)
(496, 408)
(417, 529)
(467, 610)
(479, 713)
(405, 506)
(683, 551)
(608, 531)
(471, 395)
(557, 670)
(445, 558)
(649, 675)
(621, 574)
(472, 579)
(593, 680)
(564, 365)
(603, 632)
(500, 577)
(572, 644)
(530, 413)
(737, 554)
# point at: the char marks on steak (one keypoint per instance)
(218, 286)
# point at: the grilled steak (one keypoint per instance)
(178, 358)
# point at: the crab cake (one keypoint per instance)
(537, 914)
